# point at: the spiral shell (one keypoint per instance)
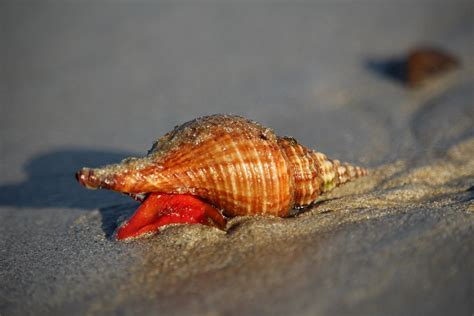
(235, 164)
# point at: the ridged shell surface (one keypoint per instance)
(236, 164)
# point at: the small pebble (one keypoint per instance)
(423, 64)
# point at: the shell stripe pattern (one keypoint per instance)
(235, 164)
(236, 182)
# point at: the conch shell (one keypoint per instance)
(233, 163)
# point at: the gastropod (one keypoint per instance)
(215, 167)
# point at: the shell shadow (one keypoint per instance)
(113, 216)
(393, 68)
(50, 181)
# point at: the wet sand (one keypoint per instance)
(370, 241)
(92, 84)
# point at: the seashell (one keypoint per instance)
(234, 164)
(423, 64)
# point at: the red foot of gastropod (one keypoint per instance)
(158, 210)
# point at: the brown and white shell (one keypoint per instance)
(235, 164)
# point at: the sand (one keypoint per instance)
(88, 84)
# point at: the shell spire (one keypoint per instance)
(233, 163)
(314, 173)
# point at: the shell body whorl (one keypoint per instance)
(236, 164)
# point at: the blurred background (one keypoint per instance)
(118, 75)
(91, 82)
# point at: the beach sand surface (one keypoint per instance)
(86, 84)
